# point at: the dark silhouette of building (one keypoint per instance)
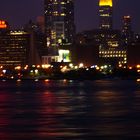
(86, 54)
(37, 43)
(133, 52)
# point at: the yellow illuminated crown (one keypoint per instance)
(106, 3)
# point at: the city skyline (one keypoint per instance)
(17, 16)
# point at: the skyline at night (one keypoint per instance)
(86, 13)
(69, 69)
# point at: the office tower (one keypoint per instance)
(105, 12)
(127, 33)
(14, 48)
(59, 22)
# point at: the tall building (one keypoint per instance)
(106, 14)
(59, 22)
(127, 33)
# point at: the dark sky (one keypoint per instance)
(18, 12)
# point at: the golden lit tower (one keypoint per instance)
(106, 11)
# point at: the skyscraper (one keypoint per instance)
(127, 33)
(105, 12)
(59, 22)
(110, 46)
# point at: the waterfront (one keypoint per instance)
(74, 110)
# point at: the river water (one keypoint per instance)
(69, 110)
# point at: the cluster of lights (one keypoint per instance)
(3, 24)
(138, 68)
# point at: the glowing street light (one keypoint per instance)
(81, 65)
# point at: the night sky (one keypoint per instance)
(18, 12)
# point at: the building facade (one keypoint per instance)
(111, 49)
(14, 48)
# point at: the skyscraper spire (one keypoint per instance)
(106, 3)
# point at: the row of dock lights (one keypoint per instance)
(35, 69)
(64, 68)
(70, 66)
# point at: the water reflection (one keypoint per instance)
(69, 110)
(4, 116)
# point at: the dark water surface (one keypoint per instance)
(69, 110)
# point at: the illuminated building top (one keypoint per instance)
(106, 3)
